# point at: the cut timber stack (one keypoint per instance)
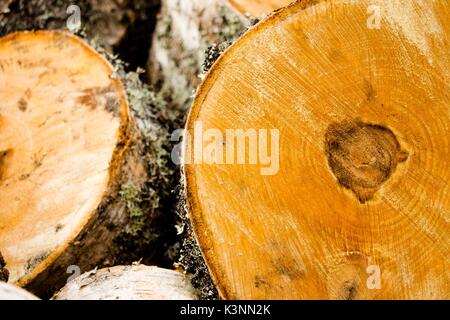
(359, 207)
(67, 143)
(137, 282)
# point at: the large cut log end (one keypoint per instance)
(317, 155)
(65, 129)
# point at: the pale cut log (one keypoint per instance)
(11, 292)
(67, 143)
(136, 282)
(359, 205)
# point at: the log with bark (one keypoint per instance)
(184, 31)
(137, 282)
(80, 160)
(191, 34)
(338, 184)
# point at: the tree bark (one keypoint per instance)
(189, 37)
(354, 191)
(104, 20)
(4, 273)
(136, 282)
(191, 34)
(184, 31)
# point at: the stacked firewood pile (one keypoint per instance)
(235, 149)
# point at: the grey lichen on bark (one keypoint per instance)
(189, 37)
(144, 197)
(105, 20)
(149, 206)
(135, 220)
(184, 32)
(190, 257)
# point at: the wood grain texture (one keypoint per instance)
(65, 128)
(363, 115)
(258, 8)
(137, 282)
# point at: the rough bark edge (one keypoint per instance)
(136, 205)
(130, 217)
(190, 256)
(4, 273)
(211, 276)
(179, 99)
(227, 25)
(104, 20)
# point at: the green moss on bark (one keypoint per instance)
(149, 233)
(190, 256)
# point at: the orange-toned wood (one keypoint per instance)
(64, 129)
(258, 8)
(364, 178)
